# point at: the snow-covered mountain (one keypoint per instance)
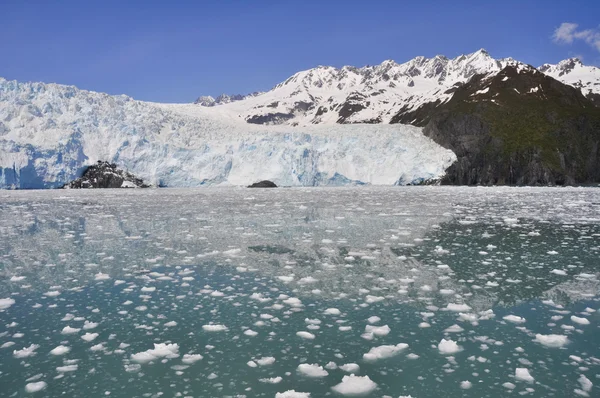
(383, 93)
(50, 132)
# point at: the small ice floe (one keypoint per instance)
(292, 394)
(373, 299)
(250, 332)
(265, 361)
(586, 384)
(189, 359)
(355, 385)
(350, 368)
(271, 380)
(52, 293)
(26, 352)
(514, 319)
(465, 385)
(448, 347)
(89, 337)
(551, 340)
(523, 374)
(5, 303)
(305, 335)
(552, 252)
(424, 325)
(35, 386)
(454, 329)
(293, 302)
(458, 307)
(67, 368)
(580, 320)
(311, 370)
(170, 324)
(384, 351)
(332, 311)
(373, 319)
(378, 331)
(558, 272)
(60, 350)
(160, 350)
(101, 277)
(214, 328)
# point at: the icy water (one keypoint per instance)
(421, 291)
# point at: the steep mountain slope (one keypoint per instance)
(518, 126)
(49, 133)
(384, 93)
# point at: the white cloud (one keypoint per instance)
(568, 32)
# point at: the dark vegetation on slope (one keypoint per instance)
(525, 129)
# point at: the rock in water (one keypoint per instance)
(263, 184)
(106, 175)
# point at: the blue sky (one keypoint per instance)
(174, 51)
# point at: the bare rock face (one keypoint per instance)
(106, 175)
(263, 184)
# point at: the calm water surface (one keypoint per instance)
(421, 291)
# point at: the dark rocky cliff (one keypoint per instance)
(106, 175)
(518, 127)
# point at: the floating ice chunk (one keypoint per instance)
(69, 330)
(378, 330)
(458, 307)
(293, 302)
(272, 380)
(160, 350)
(509, 385)
(259, 297)
(374, 319)
(36, 386)
(579, 320)
(250, 332)
(148, 288)
(424, 325)
(285, 278)
(52, 293)
(454, 329)
(89, 336)
(514, 319)
(5, 303)
(87, 325)
(446, 292)
(252, 364)
(97, 347)
(465, 385)
(447, 347)
(292, 394)
(101, 277)
(586, 384)
(311, 370)
(355, 385)
(551, 340)
(67, 368)
(384, 351)
(558, 272)
(60, 350)
(26, 352)
(305, 335)
(170, 324)
(214, 328)
(523, 375)
(350, 368)
(264, 361)
(552, 252)
(332, 311)
(373, 299)
(191, 358)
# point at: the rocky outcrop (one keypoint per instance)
(263, 184)
(106, 175)
(519, 127)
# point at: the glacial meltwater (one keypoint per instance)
(298, 292)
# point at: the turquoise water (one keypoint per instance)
(224, 279)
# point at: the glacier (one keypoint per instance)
(50, 133)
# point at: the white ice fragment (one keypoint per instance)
(101, 277)
(69, 330)
(465, 385)
(355, 385)
(514, 319)
(378, 330)
(26, 352)
(384, 351)
(447, 347)
(374, 319)
(292, 394)
(454, 329)
(89, 336)
(67, 368)
(350, 368)
(332, 311)
(5, 303)
(250, 332)
(551, 340)
(36, 386)
(305, 335)
(264, 361)
(523, 375)
(586, 384)
(214, 328)
(191, 358)
(60, 350)
(458, 307)
(580, 320)
(311, 370)
(160, 350)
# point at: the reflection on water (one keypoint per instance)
(257, 266)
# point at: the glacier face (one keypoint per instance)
(49, 133)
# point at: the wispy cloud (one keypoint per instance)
(568, 32)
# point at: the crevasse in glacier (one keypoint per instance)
(49, 133)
